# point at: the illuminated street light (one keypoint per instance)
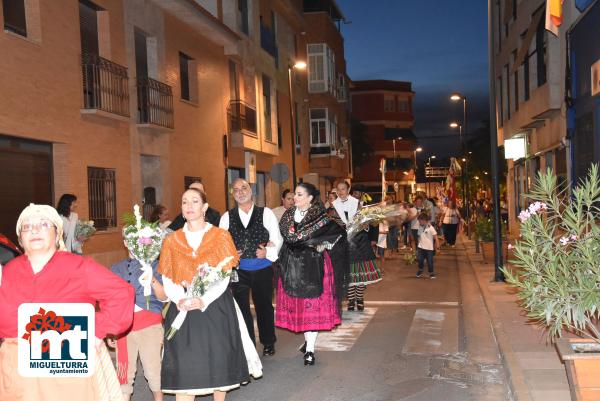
(419, 149)
(455, 97)
(454, 124)
(300, 65)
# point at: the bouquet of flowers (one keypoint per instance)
(144, 242)
(84, 229)
(373, 215)
(206, 277)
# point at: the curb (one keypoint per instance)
(516, 379)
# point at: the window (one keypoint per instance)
(506, 75)
(14, 16)
(515, 80)
(185, 62)
(102, 194)
(403, 106)
(297, 123)
(243, 8)
(266, 87)
(342, 90)
(540, 48)
(526, 81)
(321, 69)
(499, 101)
(389, 104)
(318, 128)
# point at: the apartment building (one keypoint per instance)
(530, 65)
(385, 109)
(327, 105)
(124, 102)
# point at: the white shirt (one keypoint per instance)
(413, 211)
(349, 205)
(269, 222)
(451, 216)
(426, 237)
(176, 292)
(279, 211)
(69, 225)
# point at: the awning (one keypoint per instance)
(405, 133)
(535, 21)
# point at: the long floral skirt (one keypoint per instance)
(309, 314)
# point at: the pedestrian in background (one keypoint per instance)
(287, 201)
(451, 220)
(428, 243)
(160, 214)
(66, 207)
(212, 215)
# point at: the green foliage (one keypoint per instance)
(557, 267)
(484, 229)
(410, 258)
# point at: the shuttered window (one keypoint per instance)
(14, 16)
(88, 26)
(184, 75)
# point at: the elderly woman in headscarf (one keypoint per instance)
(46, 273)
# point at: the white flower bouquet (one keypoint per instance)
(373, 215)
(144, 242)
(205, 278)
(84, 229)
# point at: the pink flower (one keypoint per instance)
(144, 241)
(564, 241)
(510, 246)
(573, 237)
(524, 215)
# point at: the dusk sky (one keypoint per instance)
(439, 46)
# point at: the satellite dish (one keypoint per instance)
(280, 173)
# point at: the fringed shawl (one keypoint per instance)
(179, 262)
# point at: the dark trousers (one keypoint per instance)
(450, 233)
(261, 284)
(415, 235)
(392, 238)
(405, 230)
(423, 254)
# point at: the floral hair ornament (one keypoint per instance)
(144, 241)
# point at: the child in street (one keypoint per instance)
(428, 243)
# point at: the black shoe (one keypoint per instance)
(309, 358)
(360, 305)
(269, 350)
(302, 348)
(351, 306)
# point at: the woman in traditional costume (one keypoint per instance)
(363, 264)
(211, 353)
(313, 270)
(47, 273)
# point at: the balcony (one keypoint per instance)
(105, 87)
(155, 104)
(328, 162)
(241, 125)
(268, 42)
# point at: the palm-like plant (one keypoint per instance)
(557, 257)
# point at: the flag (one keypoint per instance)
(554, 15)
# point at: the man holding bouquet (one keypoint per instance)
(255, 232)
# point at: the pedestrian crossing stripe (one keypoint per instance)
(343, 337)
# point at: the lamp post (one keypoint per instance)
(464, 173)
(455, 97)
(429, 160)
(299, 65)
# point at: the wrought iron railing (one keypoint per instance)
(105, 85)
(241, 116)
(155, 103)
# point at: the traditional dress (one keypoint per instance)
(65, 278)
(207, 353)
(363, 265)
(313, 271)
(145, 337)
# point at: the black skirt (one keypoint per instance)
(206, 353)
(360, 247)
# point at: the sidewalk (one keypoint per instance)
(535, 369)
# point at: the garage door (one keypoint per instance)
(26, 168)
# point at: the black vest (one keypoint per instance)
(248, 238)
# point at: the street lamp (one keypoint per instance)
(429, 159)
(298, 65)
(455, 97)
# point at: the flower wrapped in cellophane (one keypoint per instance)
(144, 241)
(373, 215)
(84, 229)
(206, 277)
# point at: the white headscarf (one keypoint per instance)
(47, 212)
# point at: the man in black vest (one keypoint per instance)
(212, 216)
(255, 231)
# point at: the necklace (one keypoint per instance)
(303, 212)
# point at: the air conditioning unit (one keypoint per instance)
(596, 78)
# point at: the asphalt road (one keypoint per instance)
(409, 344)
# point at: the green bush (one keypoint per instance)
(484, 229)
(558, 269)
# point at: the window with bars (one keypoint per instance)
(102, 193)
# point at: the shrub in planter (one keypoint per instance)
(557, 271)
(484, 231)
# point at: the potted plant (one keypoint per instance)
(484, 232)
(557, 274)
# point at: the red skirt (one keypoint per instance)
(309, 314)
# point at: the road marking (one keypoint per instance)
(433, 331)
(345, 336)
(411, 303)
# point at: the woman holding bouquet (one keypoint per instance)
(206, 355)
(313, 270)
(66, 207)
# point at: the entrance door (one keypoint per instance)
(26, 178)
